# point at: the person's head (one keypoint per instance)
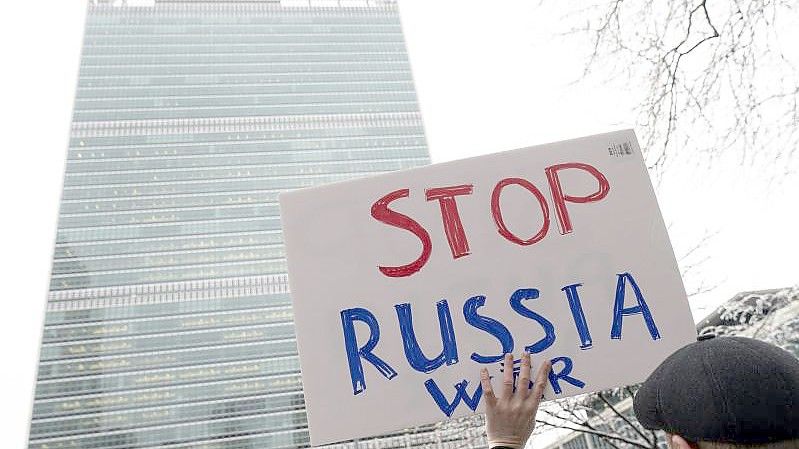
(724, 393)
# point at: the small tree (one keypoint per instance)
(771, 315)
(717, 77)
(605, 417)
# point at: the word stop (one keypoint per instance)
(453, 226)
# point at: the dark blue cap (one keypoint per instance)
(727, 389)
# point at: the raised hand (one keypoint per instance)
(510, 417)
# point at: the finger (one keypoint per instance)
(507, 376)
(540, 383)
(524, 376)
(488, 389)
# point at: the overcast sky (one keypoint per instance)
(488, 79)
(498, 78)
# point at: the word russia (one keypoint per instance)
(405, 285)
(449, 354)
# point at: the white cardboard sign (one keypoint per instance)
(404, 285)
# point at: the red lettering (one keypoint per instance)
(453, 227)
(383, 214)
(497, 213)
(560, 199)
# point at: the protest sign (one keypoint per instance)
(406, 284)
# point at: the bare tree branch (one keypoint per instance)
(612, 408)
(597, 433)
(706, 91)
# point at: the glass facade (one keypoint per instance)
(169, 321)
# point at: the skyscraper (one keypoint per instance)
(169, 320)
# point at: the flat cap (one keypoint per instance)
(727, 389)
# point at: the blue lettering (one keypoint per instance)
(563, 375)
(578, 315)
(549, 330)
(619, 311)
(460, 393)
(489, 325)
(417, 359)
(354, 353)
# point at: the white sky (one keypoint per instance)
(498, 78)
(488, 79)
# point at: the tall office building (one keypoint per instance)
(168, 320)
